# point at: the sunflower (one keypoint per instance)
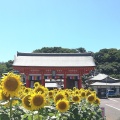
(67, 94)
(27, 90)
(11, 84)
(97, 101)
(51, 94)
(40, 89)
(62, 105)
(55, 91)
(26, 103)
(22, 96)
(0, 85)
(91, 98)
(77, 91)
(46, 90)
(74, 88)
(76, 98)
(48, 103)
(87, 92)
(37, 101)
(22, 88)
(59, 96)
(82, 94)
(3, 96)
(36, 84)
(94, 92)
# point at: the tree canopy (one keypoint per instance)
(107, 60)
(59, 50)
(6, 67)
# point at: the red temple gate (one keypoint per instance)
(65, 76)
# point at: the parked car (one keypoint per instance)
(110, 93)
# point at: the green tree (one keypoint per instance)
(54, 50)
(9, 65)
(3, 68)
(108, 61)
(81, 50)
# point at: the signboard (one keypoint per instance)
(103, 111)
(53, 73)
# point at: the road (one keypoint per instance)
(112, 108)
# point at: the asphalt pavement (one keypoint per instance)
(111, 108)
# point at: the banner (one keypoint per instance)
(73, 77)
(34, 77)
(53, 77)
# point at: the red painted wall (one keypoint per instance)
(48, 70)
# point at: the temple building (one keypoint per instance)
(102, 83)
(54, 70)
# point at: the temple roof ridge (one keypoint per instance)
(54, 54)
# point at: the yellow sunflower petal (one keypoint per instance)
(76, 98)
(59, 96)
(11, 84)
(37, 101)
(26, 103)
(62, 105)
(91, 98)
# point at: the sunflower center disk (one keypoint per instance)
(62, 105)
(39, 90)
(38, 101)
(91, 98)
(11, 84)
(75, 98)
(59, 97)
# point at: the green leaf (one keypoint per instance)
(4, 117)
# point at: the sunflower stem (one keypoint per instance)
(38, 115)
(32, 115)
(10, 108)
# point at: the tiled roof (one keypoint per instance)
(100, 76)
(54, 59)
(105, 84)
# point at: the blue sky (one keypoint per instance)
(27, 25)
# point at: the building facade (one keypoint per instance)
(55, 70)
(102, 83)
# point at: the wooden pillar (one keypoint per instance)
(80, 82)
(65, 81)
(27, 80)
(42, 79)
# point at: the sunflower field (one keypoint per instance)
(18, 102)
